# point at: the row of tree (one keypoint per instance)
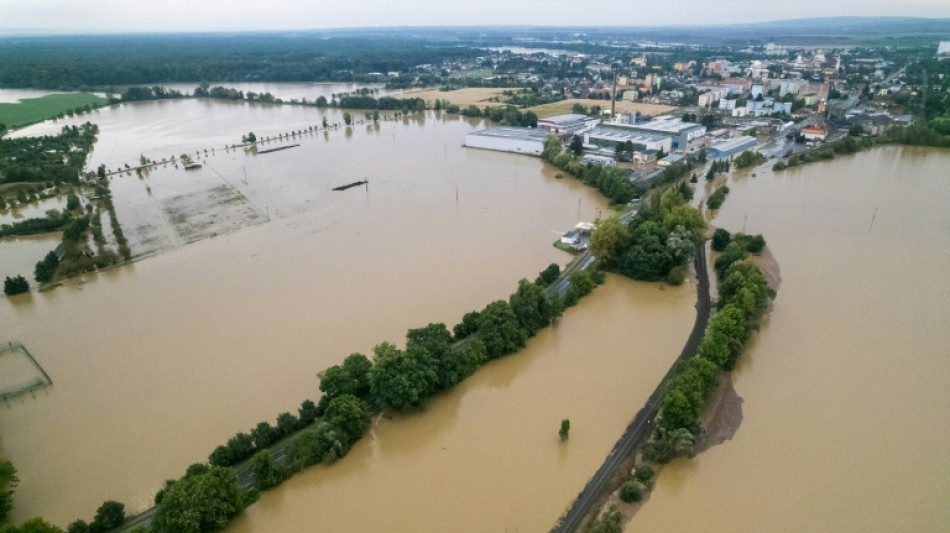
(207, 497)
(743, 296)
(50, 158)
(612, 182)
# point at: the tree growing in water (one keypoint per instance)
(565, 429)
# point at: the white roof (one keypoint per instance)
(944, 48)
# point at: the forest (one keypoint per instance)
(80, 62)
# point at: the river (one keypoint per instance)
(847, 387)
(233, 311)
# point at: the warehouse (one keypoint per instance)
(730, 147)
(610, 137)
(681, 133)
(508, 139)
(567, 125)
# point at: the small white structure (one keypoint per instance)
(508, 139)
(570, 238)
(563, 125)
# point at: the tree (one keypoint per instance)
(631, 491)
(467, 326)
(565, 429)
(326, 123)
(499, 330)
(15, 285)
(643, 472)
(302, 449)
(401, 380)
(667, 444)
(202, 503)
(552, 148)
(46, 268)
(609, 522)
(549, 275)
(78, 526)
(241, 446)
(110, 515)
(321, 101)
(350, 414)
(267, 473)
(531, 306)
(72, 202)
(286, 424)
(307, 412)
(720, 239)
(33, 525)
(577, 145)
(347, 119)
(8, 483)
(264, 435)
(609, 239)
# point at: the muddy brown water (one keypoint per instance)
(846, 389)
(229, 317)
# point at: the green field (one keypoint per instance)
(33, 110)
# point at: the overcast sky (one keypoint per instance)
(199, 15)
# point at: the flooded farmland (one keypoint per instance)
(260, 276)
(846, 388)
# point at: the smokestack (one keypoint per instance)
(613, 97)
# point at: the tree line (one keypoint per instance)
(612, 182)
(743, 296)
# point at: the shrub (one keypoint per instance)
(720, 240)
(643, 472)
(631, 491)
(676, 275)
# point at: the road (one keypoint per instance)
(641, 427)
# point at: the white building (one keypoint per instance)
(727, 105)
(756, 90)
(508, 139)
(680, 133)
(943, 50)
(563, 125)
(609, 136)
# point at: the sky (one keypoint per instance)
(87, 16)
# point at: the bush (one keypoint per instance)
(677, 275)
(756, 244)
(631, 491)
(720, 240)
(643, 472)
(717, 198)
(15, 285)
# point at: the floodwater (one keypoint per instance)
(847, 387)
(486, 456)
(244, 301)
(19, 255)
(286, 91)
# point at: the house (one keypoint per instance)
(815, 133)
(669, 160)
(571, 237)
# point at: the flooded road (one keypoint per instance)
(486, 456)
(157, 362)
(847, 387)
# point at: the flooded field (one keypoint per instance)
(845, 419)
(286, 91)
(486, 456)
(283, 277)
(19, 255)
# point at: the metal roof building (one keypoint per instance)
(508, 139)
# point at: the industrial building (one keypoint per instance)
(609, 136)
(680, 133)
(508, 139)
(567, 125)
(730, 147)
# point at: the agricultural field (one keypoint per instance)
(565, 106)
(30, 111)
(478, 96)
